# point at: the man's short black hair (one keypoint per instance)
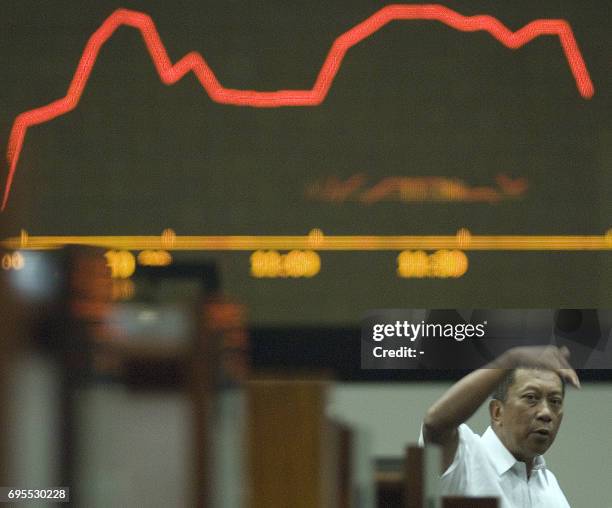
(501, 392)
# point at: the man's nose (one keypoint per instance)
(544, 413)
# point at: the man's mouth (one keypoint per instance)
(542, 432)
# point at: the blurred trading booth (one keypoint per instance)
(139, 391)
(148, 391)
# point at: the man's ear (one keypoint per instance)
(496, 410)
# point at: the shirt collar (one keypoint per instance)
(502, 459)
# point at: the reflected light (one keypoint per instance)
(463, 240)
(442, 264)
(122, 263)
(14, 261)
(154, 258)
(295, 264)
(122, 289)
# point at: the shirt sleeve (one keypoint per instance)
(454, 480)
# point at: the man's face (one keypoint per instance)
(528, 421)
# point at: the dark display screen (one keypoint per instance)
(315, 118)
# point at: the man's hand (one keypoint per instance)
(541, 357)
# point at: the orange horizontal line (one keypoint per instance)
(321, 243)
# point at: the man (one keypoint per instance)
(528, 386)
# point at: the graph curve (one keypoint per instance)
(170, 73)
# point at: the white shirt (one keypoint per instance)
(483, 467)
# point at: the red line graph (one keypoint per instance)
(170, 73)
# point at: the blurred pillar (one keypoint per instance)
(291, 446)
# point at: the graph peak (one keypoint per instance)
(169, 73)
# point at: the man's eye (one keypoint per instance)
(556, 402)
(530, 397)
